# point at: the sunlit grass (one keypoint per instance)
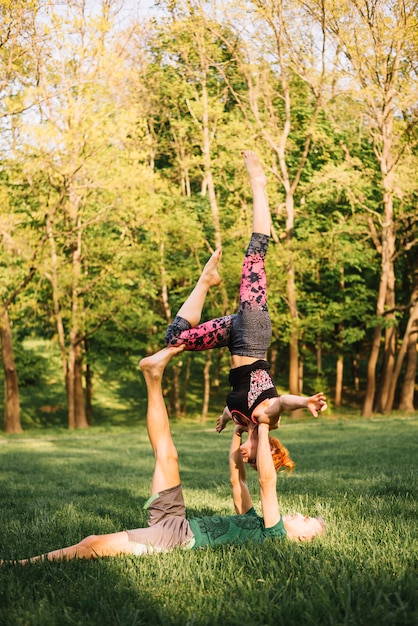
(359, 475)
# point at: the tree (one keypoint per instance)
(17, 26)
(276, 51)
(74, 164)
(379, 51)
(18, 263)
(192, 111)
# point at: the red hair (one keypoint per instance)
(281, 456)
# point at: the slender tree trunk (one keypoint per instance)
(189, 359)
(356, 372)
(406, 401)
(294, 385)
(76, 406)
(367, 410)
(70, 386)
(388, 364)
(386, 273)
(339, 375)
(175, 404)
(11, 386)
(206, 391)
(294, 374)
(53, 278)
(79, 401)
(216, 379)
(319, 357)
(413, 318)
(88, 376)
(383, 116)
(273, 359)
(208, 178)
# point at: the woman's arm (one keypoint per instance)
(238, 476)
(287, 402)
(314, 404)
(223, 420)
(267, 477)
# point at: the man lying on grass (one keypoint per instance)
(168, 526)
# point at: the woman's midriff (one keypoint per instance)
(238, 361)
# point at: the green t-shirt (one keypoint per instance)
(211, 531)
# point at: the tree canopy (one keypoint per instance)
(120, 146)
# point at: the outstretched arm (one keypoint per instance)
(267, 477)
(288, 402)
(238, 476)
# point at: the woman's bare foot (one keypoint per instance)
(210, 273)
(254, 169)
(154, 365)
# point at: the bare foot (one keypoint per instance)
(254, 169)
(210, 272)
(155, 364)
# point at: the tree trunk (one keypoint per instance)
(206, 392)
(88, 376)
(208, 178)
(388, 251)
(273, 354)
(385, 278)
(339, 374)
(175, 404)
(294, 374)
(319, 357)
(406, 401)
(70, 388)
(53, 278)
(79, 403)
(189, 358)
(413, 318)
(11, 386)
(356, 372)
(75, 396)
(367, 410)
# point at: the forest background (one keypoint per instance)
(120, 141)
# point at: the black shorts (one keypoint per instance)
(251, 385)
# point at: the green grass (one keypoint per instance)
(359, 475)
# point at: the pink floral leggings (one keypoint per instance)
(217, 333)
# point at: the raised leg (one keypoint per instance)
(253, 288)
(166, 471)
(258, 182)
(191, 310)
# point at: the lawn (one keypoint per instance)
(360, 475)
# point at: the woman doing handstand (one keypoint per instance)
(253, 398)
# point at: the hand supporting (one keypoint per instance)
(238, 475)
(267, 478)
(223, 420)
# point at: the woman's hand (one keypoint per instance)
(316, 403)
(239, 429)
(223, 420)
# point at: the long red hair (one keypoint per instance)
(281, 456)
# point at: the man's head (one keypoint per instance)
(303, 528)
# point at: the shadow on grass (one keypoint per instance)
(359, 475)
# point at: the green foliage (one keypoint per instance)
(107, 140)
